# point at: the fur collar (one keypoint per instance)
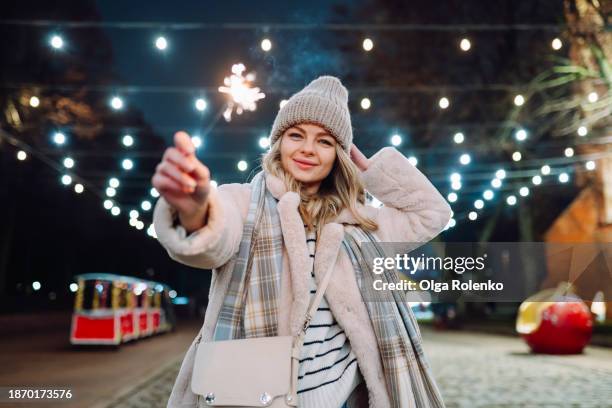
(278, 190)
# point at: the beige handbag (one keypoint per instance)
(255, 372)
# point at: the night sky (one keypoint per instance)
(200, 58)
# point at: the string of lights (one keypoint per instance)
(242, 96)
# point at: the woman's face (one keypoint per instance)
(308, 153)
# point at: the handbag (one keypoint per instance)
(254, 372)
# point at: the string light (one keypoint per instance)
(110, 191)
(133, 221)
(496, 183)
(59, 138)
(161, 43)
(524, 191)
(563, 177)
(139, 225)
(365, 103)
(154, 193)
(590, 165)
(115, 211)
(500, 174)
(569, 152)
(582, 131)
(113, 182)
(479, 204)
(108, 204)
(68, 162)
(200, 104)
(78, 188)
(465, 44)
(452, 197)
(127, 140)
(465, 159)
(127, 164)
(452, 222)
(520, 135)
(519, 100)
(458, 138)
(266, 44)
(66, 180)
(34, 101)
(455, 177)
(593, 97)
(545, 170)
(36, 285)
(116, 103)
(145, 205)
(282, 103)
(73, 287)
(443, 103)
(456, 185)
(511, 200)
(488, 195)
(151, 231)
(21, 155)
(134, 214)
(242, 165)
(197, 141)
(413, 160)
(368, 44)
(556, 44)
(516, 156)
(396, 140)
(264, 142)
(213, 183)
(56, 42)
(472, 215)
(536, 180)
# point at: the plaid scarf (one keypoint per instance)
(250, 306)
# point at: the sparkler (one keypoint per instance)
(239, 88)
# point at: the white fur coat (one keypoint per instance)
(413, 211)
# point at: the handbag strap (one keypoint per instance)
(299, 339)
(316, 301)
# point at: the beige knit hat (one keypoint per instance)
(324, 101)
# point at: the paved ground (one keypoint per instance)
(477, 370)
(43, 357)
(484, 370)
(473, 370)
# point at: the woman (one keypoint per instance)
(313, 179)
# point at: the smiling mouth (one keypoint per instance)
(303, 165)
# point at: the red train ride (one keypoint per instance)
(112, 309)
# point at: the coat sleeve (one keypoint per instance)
(414, 210)
(215, 243)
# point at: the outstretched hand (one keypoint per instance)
(359, 158)
(182, 179)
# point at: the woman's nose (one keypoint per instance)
(307, 146)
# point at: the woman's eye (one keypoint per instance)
(327, 142)
(295, 135)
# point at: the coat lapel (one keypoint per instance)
(294, 236)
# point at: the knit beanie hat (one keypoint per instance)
(324, 101)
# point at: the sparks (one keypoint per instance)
(243, 95)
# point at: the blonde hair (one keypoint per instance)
(341, 189)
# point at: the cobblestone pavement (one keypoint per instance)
(483, 370)
(474, 370)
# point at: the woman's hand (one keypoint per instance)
(184, 182)
(359, 158)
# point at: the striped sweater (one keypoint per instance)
(328, 370)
